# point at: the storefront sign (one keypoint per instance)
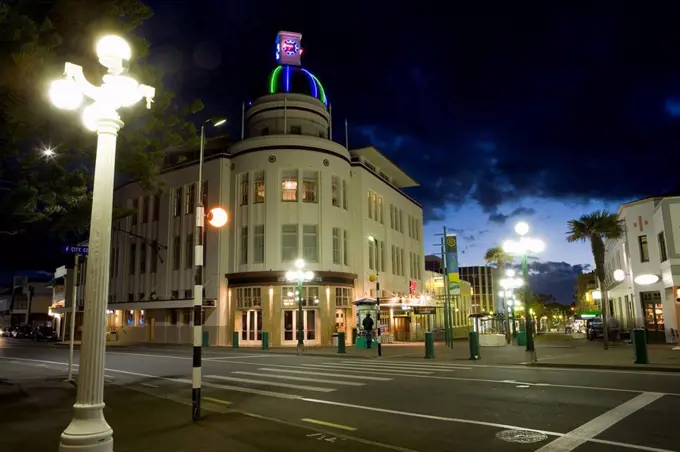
(424, 310)
(412, 287)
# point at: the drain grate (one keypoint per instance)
(521, 436)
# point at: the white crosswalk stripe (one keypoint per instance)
(385, 365)
(271, 383)
(298, 378)
(410, 364)
(367, 369)
(327, 374)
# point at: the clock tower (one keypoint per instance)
(289, 48)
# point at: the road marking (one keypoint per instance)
(149, 385)
(366, 369)
(409, 364)
(593, 428)
(220, 401)
(153, 355)
(271, 383)
(326, 374)
(238, 357)
(523, 386)
(328, 424)
(296, 378)
(109, 377)
(380, 365)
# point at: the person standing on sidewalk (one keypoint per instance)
(368, 329)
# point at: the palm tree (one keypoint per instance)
(597, 227)
(498, 257)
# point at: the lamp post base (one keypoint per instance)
(88, 431)
(530, 356)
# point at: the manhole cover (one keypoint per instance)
(521, 436)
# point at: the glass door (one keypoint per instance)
(290, 325)
(251, 326)
(654, 321)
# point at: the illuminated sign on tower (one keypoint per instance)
(289, 48)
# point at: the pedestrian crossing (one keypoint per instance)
(322, 376)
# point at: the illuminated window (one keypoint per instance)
(335, 191)
(258, 187)
(343, 297)
(244, 189)
(289, 185)
(310, 186)
(336, 246)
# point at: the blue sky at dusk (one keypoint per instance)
(502, 110)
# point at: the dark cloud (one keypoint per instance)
(500, 218)
(555, 278)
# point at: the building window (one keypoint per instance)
(244, 245)
(335, 191)
(644, 249)
(245, 186)
(401, 262)
(400, 221)
(258, 244)
(189, 251)
(289, 185)
(336, 246)
(344, 194)
(174, 295)
(289, 242)
(142, 258)
(310, 185)
(370, 206)
(135, 211)
(310, 248)
(394, 262)
(176, 252)
(382, 256)
(371, 255)
(133, 259)
(380, 210)
(145, 209)
(177, 202)
(391, 216)
(190, 201)
(345, 247)
(248, 297)
(156, 208)
(258, 193)
(662, 247)
(295, 130)
(188, 294)
(343, 297)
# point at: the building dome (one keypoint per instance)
(298, 80)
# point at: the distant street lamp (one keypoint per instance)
(509, 284)
(89, 431)
(300, 277)
(523, 247)
(216, 221)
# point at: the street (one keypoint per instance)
(402, 404)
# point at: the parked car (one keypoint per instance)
(22, 332)
(45, 333)
(4, 332)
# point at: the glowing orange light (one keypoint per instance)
(217, 217)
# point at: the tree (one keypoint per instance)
(498, 257)
(36, 38)
(596, 227)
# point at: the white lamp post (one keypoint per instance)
(299, 276)
(523, 247)
(89, 431)
(509, 284)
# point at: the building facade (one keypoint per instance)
(291, 193)
(642, 269)
(485, 287)
(461, 304)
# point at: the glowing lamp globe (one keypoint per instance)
(619, 275)
(217, 217)
(299, 263)
(113, 48)
(521, 228)
(645, 280)
(65, 94)
(510, 273)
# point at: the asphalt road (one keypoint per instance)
(410, 405)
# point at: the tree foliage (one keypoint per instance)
(498, 257)
(36, 39)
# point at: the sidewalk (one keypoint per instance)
(36, 406)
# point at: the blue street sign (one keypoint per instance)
(74, 249)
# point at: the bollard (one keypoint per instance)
(234, 339)
(474, 345)
(429, 346)
(206, 339)
(341, 343)
(265, 340)
(640, 346)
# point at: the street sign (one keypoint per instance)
(74, 249)
(424, 310)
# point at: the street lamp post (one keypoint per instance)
(509, 283)
(299, 276)
(89, 431)
(377, 298)
(198, 280)
(523, 247)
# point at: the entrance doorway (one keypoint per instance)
(309, 326)
(654, 321)
(251, 326)
(402, 329)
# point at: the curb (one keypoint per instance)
(638, 367)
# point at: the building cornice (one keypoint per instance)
(278, 278)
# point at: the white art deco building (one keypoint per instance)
(291, 192)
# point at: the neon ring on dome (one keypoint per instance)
(281, 79)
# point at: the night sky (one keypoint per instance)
(502, 110)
